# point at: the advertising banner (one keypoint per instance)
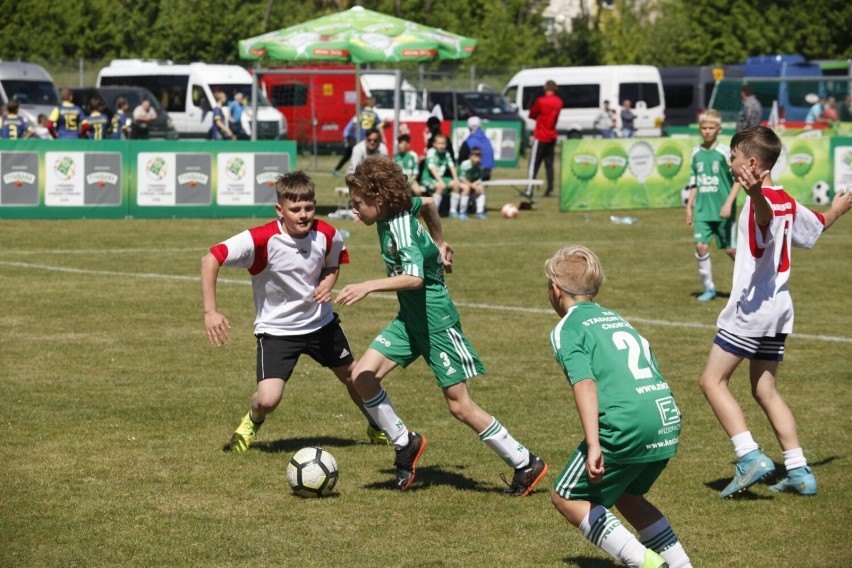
(652, 173)
(50, 179)
(505, 137)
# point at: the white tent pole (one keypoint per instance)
(357, 124)
(254, 105)
(396, 96)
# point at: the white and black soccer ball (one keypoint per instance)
(312, 472)
(821, 193)
(684, 195)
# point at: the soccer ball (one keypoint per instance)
(509, 211)
(684, 195)
(822, 193)
(312, 472)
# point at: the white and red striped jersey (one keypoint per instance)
(760, 304)
(285, 271)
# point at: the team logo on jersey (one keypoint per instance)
(669, 412)
(715, 167)
(392, 250)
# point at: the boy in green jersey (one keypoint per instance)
(470, 176)
(439, 174)
(408, 161)
(427, 324)
(630, 420)
(711, 207)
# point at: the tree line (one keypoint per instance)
(510, 33)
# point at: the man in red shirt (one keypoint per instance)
(545, 110)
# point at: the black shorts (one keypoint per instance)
(277, 355)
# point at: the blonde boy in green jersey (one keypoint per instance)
(427, 324)
(630, 421)
(711, 207)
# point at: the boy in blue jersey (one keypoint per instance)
(96, 124)
(630, 421)
(427, 325)
(12, 126)
(67, 117)
(120, 120)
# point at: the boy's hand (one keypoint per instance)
(594, 465)
(842, 202)
(447, 256)
(688, 216)
(749, 179)
(351, 293)
(218, 328)
(322, 293)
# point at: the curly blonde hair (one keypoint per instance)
(576, 270)
(378, 179)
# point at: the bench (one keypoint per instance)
(519, 185)
(344, 210)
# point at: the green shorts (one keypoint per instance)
(724, 231)
(619, 478)
(448, 353)
(430, 185)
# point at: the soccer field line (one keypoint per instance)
(385, 296)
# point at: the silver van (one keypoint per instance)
(31, 86)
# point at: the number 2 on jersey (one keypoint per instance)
(635, 352)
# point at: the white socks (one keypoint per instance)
(660, 538)
(480, 203)
(464, 200)
(504, 445)
(607, 533)
(705, 271)
(454, 202)
(794, 458)
(744, 443)
(381, 411)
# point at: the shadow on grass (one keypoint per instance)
(588, 562)
(771, 479)
(291, 445)
(433, 476)
(719, 295)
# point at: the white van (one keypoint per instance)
(186, 92)
(381, 87)
(583, 91)
(31, 86)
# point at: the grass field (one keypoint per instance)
(116, 410)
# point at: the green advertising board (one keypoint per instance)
(651, 173)
(60, 179)
(505, 136)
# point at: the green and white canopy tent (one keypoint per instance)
(356, 36)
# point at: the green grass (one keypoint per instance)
(116, 409)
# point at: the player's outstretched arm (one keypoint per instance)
(217, 325)
(839, 207)
(352, 293)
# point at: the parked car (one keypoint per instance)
(31, 86)
(461, 105)
(160, 128)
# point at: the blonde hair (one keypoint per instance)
(576, 270)
(710, 115)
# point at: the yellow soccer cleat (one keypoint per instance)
(245, 434)
(653, 560)
(377, 436)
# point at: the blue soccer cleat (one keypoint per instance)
(751, 468)
(799, 480)
(707, 295)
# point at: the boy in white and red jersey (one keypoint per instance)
(759, 314)
(294, 262)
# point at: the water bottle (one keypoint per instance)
(622, 220)
(344, 233)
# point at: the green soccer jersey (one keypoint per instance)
(440, 161)
(712, 177)
(409, 162)
(470, 172)
(407, 248)
(638, 419)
